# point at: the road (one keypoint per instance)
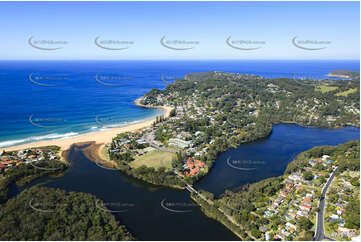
(320, 231)
(230, 218)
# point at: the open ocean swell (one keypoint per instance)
(44, 100)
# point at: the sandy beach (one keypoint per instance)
(338, 75)
(99, 137)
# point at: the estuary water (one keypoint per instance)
(158, 213)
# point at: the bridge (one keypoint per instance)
(191, 189)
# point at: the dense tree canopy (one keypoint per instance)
(41, 213)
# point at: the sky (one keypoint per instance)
(179, 30)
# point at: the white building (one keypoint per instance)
(180, 143)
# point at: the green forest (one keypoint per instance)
(26, 173)
(40, 213)
(242, 203)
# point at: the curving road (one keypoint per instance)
(320, 232)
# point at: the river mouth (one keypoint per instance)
(150, 212)
(153, 212)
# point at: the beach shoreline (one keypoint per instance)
(338, 75)
(99, 137)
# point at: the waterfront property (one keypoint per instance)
(25, 156)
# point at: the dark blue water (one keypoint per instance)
(55, 99)
(76, 101)
(144, 216)
(148, 220)
(269, 157)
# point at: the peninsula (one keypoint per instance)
(214, 111)
(209, 113)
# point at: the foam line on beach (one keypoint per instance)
(5, 144)
(99, 136)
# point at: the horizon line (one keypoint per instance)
(179, 59)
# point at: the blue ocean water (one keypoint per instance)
(41, 100)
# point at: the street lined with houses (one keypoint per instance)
(320, 233)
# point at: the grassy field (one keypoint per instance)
(325, 88)
(154, 159)
(346, 93)
(105, 153)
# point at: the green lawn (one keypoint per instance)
(154, 159)
(325, 88)
(105, 153)
(346, 93)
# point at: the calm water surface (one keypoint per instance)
(269, 157)
(148, 220)
(145, 217)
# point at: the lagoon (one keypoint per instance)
(157, 213)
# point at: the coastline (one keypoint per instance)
(99, 137)
(338, 75)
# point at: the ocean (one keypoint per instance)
(44, 100)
